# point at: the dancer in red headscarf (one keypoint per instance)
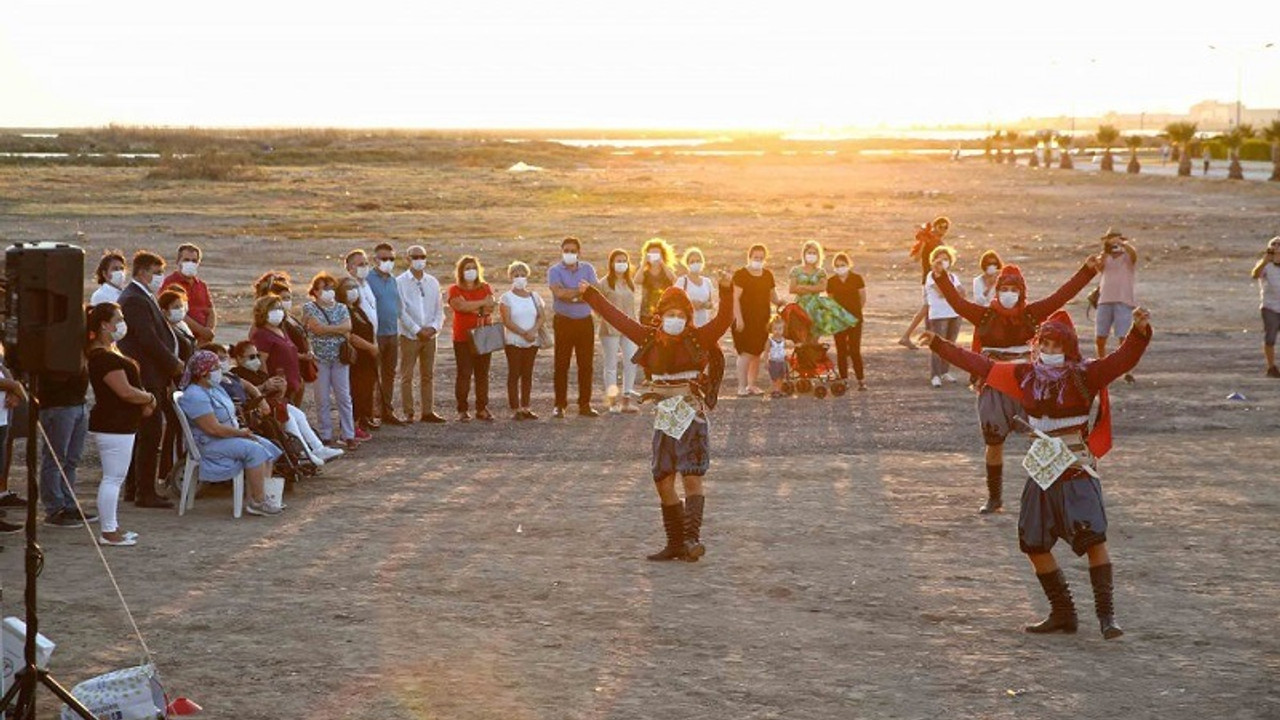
(1003, 331)
(685, 367)
(929, 237)
(1062, 500)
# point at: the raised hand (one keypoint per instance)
(926, 338)
(1142, 319)
(1094, 262)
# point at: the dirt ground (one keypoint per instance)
(497, 571)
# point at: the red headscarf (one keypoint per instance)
(198, 367)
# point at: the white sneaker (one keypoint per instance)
(262, 508)
(329, 453)
(949, 377)
(615, 409)
(936, 381)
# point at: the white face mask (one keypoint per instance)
(121, 330)
(695, 267)
(842, 270)
(287, 305)
(1052, 359)
(811, 258)
(225, 365)
(156, 282)
(470, 274)
(117, 278)
(386, 266)
(946, 264)
(176, 314)
(756, 264)
(570, 258)
(253, 364)
(991, 269)
(327, 296)
(1009, 298)
(189, 268)
(655, 257)
(673, 325)
(362, 272)
(520, 283)
(620, 267)
(418, 264)
(353, 296)
(215, 377)
(275, 317)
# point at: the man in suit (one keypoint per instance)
(153, 345)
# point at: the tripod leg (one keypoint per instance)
(54, 687)
(12, 692)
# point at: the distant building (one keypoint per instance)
(1210, 116)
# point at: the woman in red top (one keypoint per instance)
(1057, 389)
(471, 299)
(279, 354)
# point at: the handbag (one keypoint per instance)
(487, 337)
(346, 353)
(544, 335)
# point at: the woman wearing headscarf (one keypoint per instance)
(226, 449)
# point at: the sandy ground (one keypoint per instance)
(485, 572)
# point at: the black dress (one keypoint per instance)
(757, 308)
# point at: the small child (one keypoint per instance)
(777, 355)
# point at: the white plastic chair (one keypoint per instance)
(187, 499)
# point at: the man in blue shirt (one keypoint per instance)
(383, 285)
(575, 332)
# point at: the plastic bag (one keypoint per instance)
(131, 694)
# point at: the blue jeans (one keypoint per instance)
(66, 428)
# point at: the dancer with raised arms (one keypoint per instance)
(1063, 496)
(684, 381)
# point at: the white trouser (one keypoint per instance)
(300, 427)
(610, 344)
(116, 451)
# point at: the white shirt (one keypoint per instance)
(105, 293)
(420, 303)
(939, 308)
(1269, 286)
(368, 302)
(981, 295)
(4, 409)
(777, 350)
(698, 293)
(524, 315)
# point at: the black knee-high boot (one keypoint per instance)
(1100, 576)
(995, 490)
(673, 523)
(693, 547)
(1062, 611)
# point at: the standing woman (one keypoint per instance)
(120, 404)
(619, 289)
(277, 354)
(678, 358)
(1267, 273)
(173, 305)
(984, 285)
(523, 315)
(471, 299)
(944, 321)
(808, 282)
(364, 371)
(929, 237)
(308, 371)
(328, 323)
(697, 286)
(654, 276)
(849, 290)
(754, 294)
(111, 278)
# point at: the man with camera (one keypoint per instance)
(1116, 297)
(1267, 273)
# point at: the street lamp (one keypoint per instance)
(1239, 71)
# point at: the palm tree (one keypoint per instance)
(1133, 142)
(1235, 139)
(1011, 136)
(991, 141)
(1031, 141)
(1064, 142)
(1181, 134)
(1107, 135)
(1046, 136)
(1272, 134)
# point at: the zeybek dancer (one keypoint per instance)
(1062, 500)
(1003, 331)
(679, 359)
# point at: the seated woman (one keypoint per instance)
(225, 448)
(248, 367)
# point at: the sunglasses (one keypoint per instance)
(252, 357)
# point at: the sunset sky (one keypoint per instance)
(571, 63)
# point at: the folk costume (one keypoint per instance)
(1062, 499)
(1005, 334)
(686, 370)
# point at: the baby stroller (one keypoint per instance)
(809, 367)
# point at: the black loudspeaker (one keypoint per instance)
(44, 307)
